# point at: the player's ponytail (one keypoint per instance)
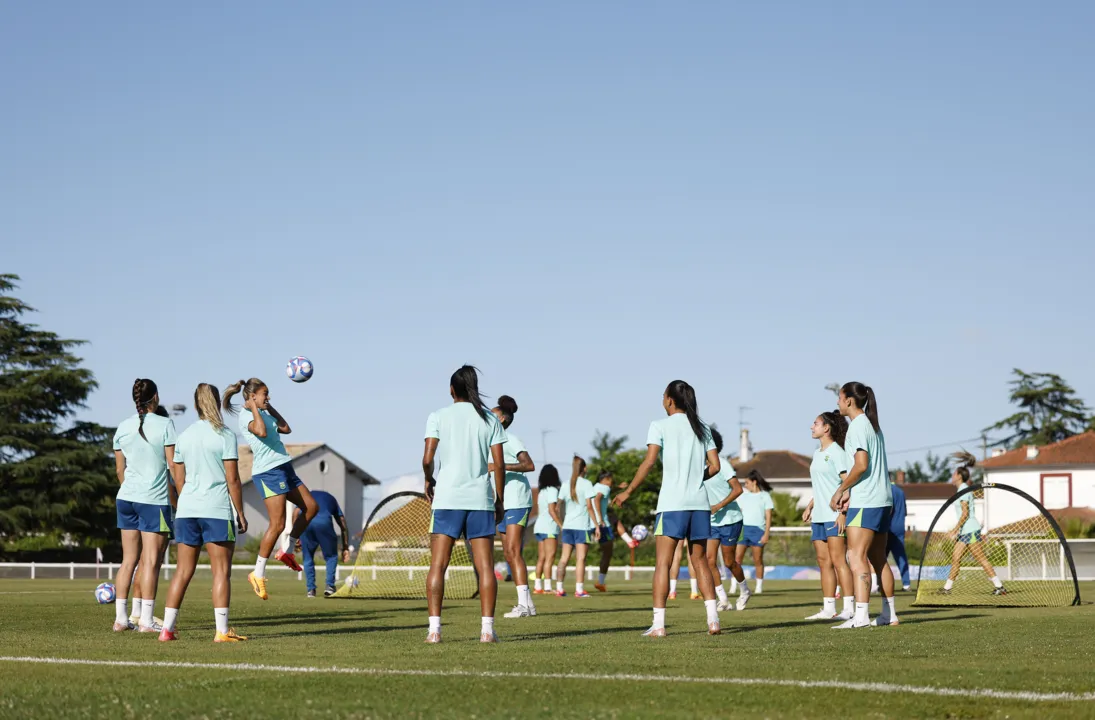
(144, 392)
(574, 479)
(248, 387)
(684, 397)
(965, 461)
(864, 399)
(756, 477)
(508, 406)
(207, 401)
(838, 428)
(465, 387)
(716, 437)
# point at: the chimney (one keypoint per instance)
(899, 478)
(745, 454)
(1032, 452)
(997, 452)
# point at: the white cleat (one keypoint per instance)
(845, 615)
(884, 620)
(531, 610)
(724, 605)
(155, 627)
(518, 611)
(488, 637)
(851, 625)
(823, 615)
(743, 600)
(655, 632)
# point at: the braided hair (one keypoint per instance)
(144, 391)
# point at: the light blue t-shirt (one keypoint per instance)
(269, 451)
(971, 525)
(545, 524)
(600, 493)
(464, 440)
(576, 515)
(753, 505)
(518, 492)
(873, 488)
(145, 459)
(202, 449)
(826, 470)
(718, 489)
(684, 462)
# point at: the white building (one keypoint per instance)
(786, 471)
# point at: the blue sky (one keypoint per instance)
(587, 200)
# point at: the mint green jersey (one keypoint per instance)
(464, 442)
(753, 506)
(873, 488)
(600, 497)
(145, 458)
(826, 473)
(202, 450)
(971, 525)
(269, 451)
(576, 515)
(684, 463)
(518, 492)
(718, 489)
(545, 524)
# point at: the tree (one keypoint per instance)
(785, 511)
(56, 474)
(623, 464)
(934, 469)
(1049, 411)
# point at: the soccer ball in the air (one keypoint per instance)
(500, 570)
(104, 594)
(299, 369)
(351, 581)
(639, 532)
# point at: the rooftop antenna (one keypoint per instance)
(834, 388)
(178, 410)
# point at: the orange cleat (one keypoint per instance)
(672, 596)
(538, 592)
(289, 560)
(259, 585)
(600, 587)
(229, 636)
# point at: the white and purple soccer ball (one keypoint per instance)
(299, 369)
(639, 532)
(104, 594)
(351, 581)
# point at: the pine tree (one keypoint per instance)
(1049, 411)
(56, 473)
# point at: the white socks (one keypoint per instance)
(949, 584)
(659, 618)
(538, 584)
(996, 582)
(601, 578)
(720, 592)
(170, 618)
(559, 586)
(221, 616)
(733, 584)
(743, 586)
(828, 605)
(146, 612)
(135, 606)
(488, 625)
(711, 606)
(760, 585)
(861, 615)
(890, 607)
(523, 597)
(672, 586)
(695, 586)
(874, 584)
(435, 623)
(849, 604)
(579, 587)
(120, 614)
(260, 567)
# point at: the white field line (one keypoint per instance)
(1028, 696)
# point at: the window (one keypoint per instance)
(1056, 490)
(323, 467)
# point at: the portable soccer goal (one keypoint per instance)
(394, 555)
(1030, 556)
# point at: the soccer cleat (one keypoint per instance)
(539, 592)
(582, 594)
(329, 591)
(884, 620)
(289, 560)
(743, 600)
(531, 609)
(845, 615)
(633, 543)
(168, 635)
(906, 588)
(724, 605)
(672, 596)
(600, 587)
(155, 627)
(311, 594)
(258, 584)
(518, 611)
(695, 596)
(560, 593)
(713, 628)
(850, 625)
(229, 636)
(122, 627)
(488, 637)
(999, 591)
(655, 632)
(433, 638)
(822, 616)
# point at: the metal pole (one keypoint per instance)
(543, 445)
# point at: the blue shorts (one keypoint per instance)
(727, 535)
(576, 537)
(678, 524)
(970, 538)
(607, 535)
(877, 519)
(277, 481)
(199, 531)
(751, 536)
(540, 537)
(471, 524)
(821, 532)
(144, 517)
(516, 516)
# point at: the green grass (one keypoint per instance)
(1041, 650)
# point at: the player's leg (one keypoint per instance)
(512, 540)
(878, 559)
(699, 531)
(328, 546)
(152, 547)
(758, 566)
(440, 554)
(220, 563)
(828, 580)
(186, 560)
(275, 512)
(744, 593)
(561, 571)
(551, 547)
(956, 564)
(131, 550)
(693, 575)
(712, 547)
(309, 543)
(665, 552)
(859, 544)
(977, 549)
(300, 496)
(580, 552)
(136, 596)
(538, 578)
(838, 555)
(483, 550)
(608, 544)
(895, 546)
(674, 569)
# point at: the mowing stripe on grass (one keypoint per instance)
(490, 674)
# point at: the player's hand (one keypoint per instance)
(620, 499)
(490, 468)
(807, 514)
(345, 555)
(834, 502)
(499, 511)
(845, 500)
(241, 523)
(764, 539)
(597, 534)
(841, 522)
(428, 490)
(298, 546)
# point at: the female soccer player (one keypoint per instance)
(598, 506)
(273, 474)
(684, 443)
(827, 469)
(517, 504)
(548, 522)
(578, 521)
(723, 490)
(864, 495)
(210, 497)
(135, 591)
(967, 531)
(466, 440)
(756, 510)
(143, 455)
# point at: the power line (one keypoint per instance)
(933, 447)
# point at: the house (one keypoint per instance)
(321, 468)
(923, 500)
(787, 471)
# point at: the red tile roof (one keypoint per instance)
(775, 464)
(1076, 450)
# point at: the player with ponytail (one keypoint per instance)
(578, 525)
(723, 490)
(865, 497)
(143, 456)
(548, 523)
(829, 466)
(467, 494)
(272, 473)
(517, 506)
(967, 530)
(689, 457)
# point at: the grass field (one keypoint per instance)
(366, 658)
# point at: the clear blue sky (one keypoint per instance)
(587, 200)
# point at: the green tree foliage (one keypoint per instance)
(935, 468)
(56, 474)
(611, 455)
(1049, 411)
(786, 511)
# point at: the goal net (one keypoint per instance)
(1029, 557)
(394, 555)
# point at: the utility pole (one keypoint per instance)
(984, 446)
(543, 446)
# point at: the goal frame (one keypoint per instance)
(1016, 491)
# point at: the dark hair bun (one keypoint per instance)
(507, 405)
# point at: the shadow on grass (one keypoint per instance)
(578, 633)
(343, 631)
